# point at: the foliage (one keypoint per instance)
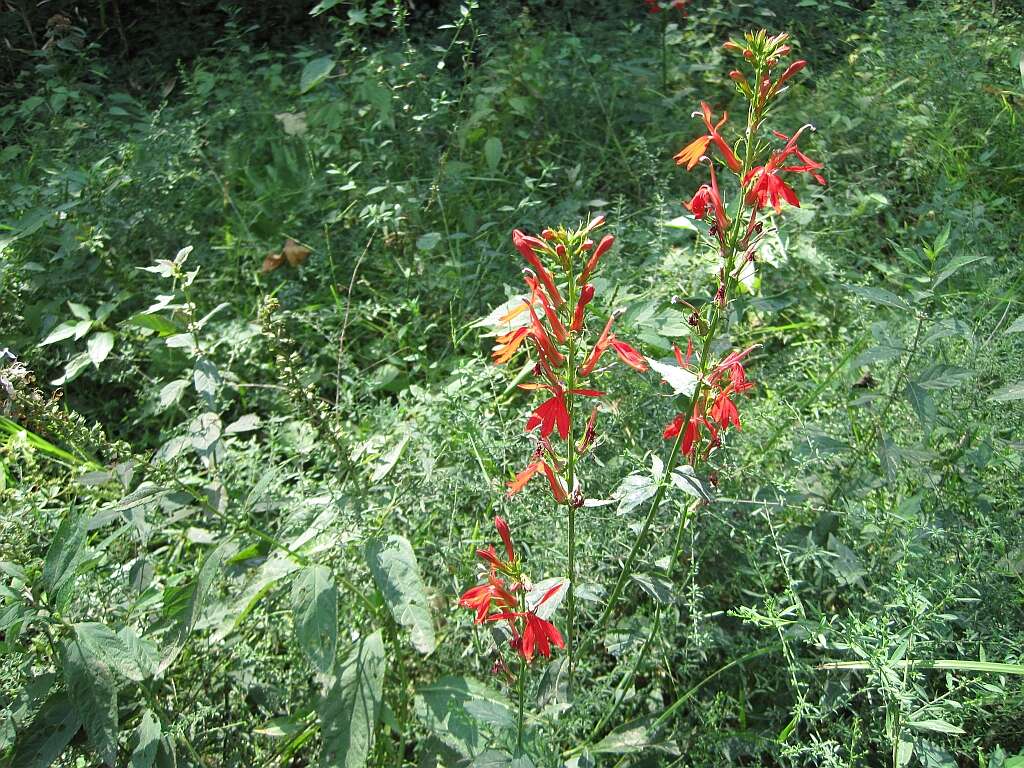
(237, 507)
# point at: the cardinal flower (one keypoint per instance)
(691, 154)
(553, 413)
(607, 339)
(481, 597)
(764, 184)
(558, 488)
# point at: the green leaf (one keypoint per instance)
(387, 462)
(349, 711)
(315, 605)
(61, 332)
(206, 379)
(441, 707)
(73, 369)
(315, 72)
(322, 6)
(175, 639)
(939, 726)
(147, 740)
(65, 553)
(170, 392)
(49, 734)
(634, 736)
(161, 325)
(428, 241)
(880, 296)
(1013, 391)
(80, 311)
(101, 642)
(492, 152)
(922, 402)
(941, 376)
(1017, 326)
(397, 575)
(99, 346)
(93, 692)
(955, 264)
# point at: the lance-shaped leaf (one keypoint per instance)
(147, 741)
(348, 713)
(193, 605)
(64, 555)
(315, 605)
(93, 693)
(397, 575)
(49, 734)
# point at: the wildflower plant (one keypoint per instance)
(749, 182)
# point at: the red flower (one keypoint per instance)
(766, 187)
(708, 197)
(558, 490)
(480, 597)
(692, 435)
(586, 295)
(606, 242)
(540, 634)
(607, 339)
(508, 345)
(692, 152)
(506, 537)
(552, 412)
(549, 313)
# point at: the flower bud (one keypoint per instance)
(606, 242)
(506, 537)
(586, 294)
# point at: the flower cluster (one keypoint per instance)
(552, 322)
(502, 598)
(713, 409)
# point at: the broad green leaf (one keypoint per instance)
(147, 740)
(634, 736)
(682, 381)
(685, 479)
(64, 555)
(492, 152)
(939, 726)
(323, 6)
(428, 241)
(1013, 391)
(93, 692)
(880, 296)
(349, 711)
(315, 605)
(315, 72)
(99, 346)
(1017, 326)
(73, 369)
(170, 393)
(61, 332)
(49, 734)
(101, 642)
(80, 311)
(206, 380)
(941, 376)
(161, 325)
(441, 707)
(633, 491)
(198, 591)
(397, 575)
(387, 462)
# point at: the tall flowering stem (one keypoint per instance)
(554, 324)
(761, 174)
(507, 598)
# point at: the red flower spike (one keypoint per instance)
(506, 537)
(586, 294)
(606, 242)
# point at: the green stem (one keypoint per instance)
(570, 475)
(522, 693)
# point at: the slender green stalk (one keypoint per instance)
(570, 474)
(522, 693)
